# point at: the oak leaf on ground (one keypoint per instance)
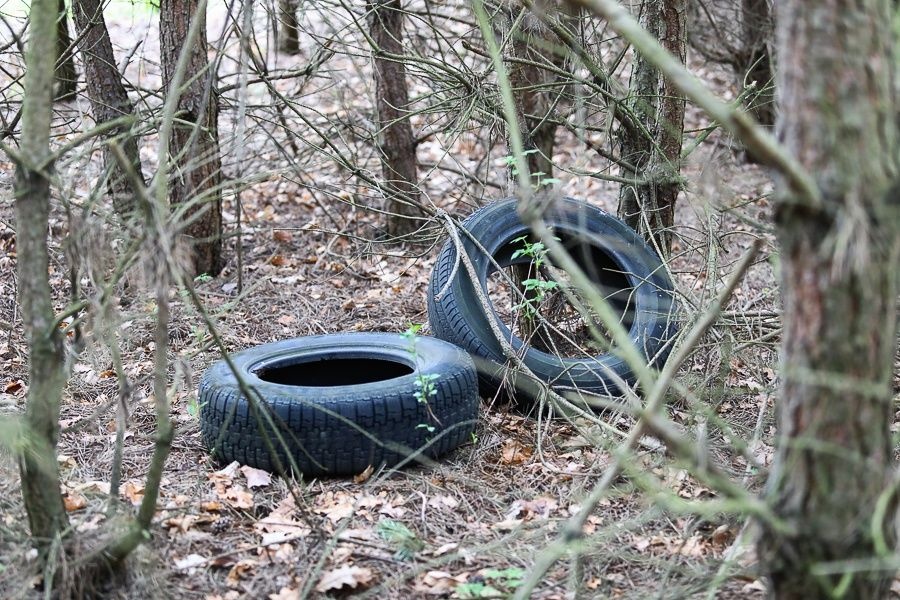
(345, 576)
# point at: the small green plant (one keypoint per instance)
(193, 407)
(537, 251)
(496, 583)
(534, 289)
(427, 387)
(539, 179)
(401, 537)
(425, 383)
(411, 334)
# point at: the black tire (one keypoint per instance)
(616, 258)
(341, 402)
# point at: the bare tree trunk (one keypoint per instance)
(756, 23)
(395, 136)
(832, 480)
(46, 376)
(288, 38)
(649, 207)
(531, 44)
(108, 97)
(533, 104)
(66, 76)
(195, 185)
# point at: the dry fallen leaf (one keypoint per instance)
(364, 476)
(346, 576)
(280, 524)
(335, 506)
(93, 487)
(286, 593)
(445, 548)
(239, 571)
(184, 523)
(74, 501)
(439, 583)
(13, 386)
(280, 235)
(226, 474)
(190, 562)
(514, 453)
(539, 508)
(133, 491)
(693, 547)
(443, 502)
(181, 523)
(256, 477)
(237, 497)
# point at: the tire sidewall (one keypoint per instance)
(496, 225)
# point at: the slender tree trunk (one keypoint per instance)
(288, 38)
(756, 23)
(832, 476)
(531, 44)
(532, 103)
(195, 185)
(66, 76)
(395, 136)
(46, 377)
(649, 207)
(108, 97)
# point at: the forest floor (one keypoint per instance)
(309, 266)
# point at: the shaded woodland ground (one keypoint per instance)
(312, 262)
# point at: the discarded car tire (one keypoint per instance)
(617, 260)
(339, 403)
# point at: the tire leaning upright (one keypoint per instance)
(618, 261)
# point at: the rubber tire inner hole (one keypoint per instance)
(330, 371)
(555, 326)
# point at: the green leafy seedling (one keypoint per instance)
(400, 537)
(474, 590)
(426, 387)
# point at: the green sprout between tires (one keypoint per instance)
(534, 289)
(425, 383)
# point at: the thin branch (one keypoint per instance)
(757, 140)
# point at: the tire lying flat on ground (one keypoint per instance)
(624, 267)
(340, 402)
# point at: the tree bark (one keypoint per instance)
(66, 76)
(649, 206)
(47, 517)
(395, 135)
(834, 458)
(195, 183)
(531, 43)
(288, 38)
(108, 97)
(756, 24)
